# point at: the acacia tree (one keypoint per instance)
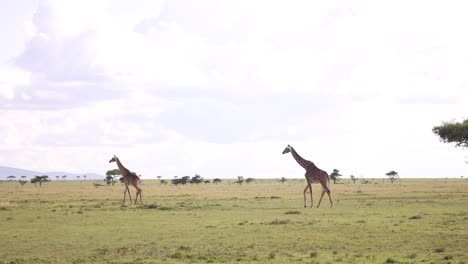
(453, 132)
(216, 180)
(23, 181)
(335, 175)
(197, 179)
(40, 180)
(240, 180)
(111, 175)
(11, 177)
(353, 178)
(282, 180)
(249, 180)
(184, 180)
(392, 175)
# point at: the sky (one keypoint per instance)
(220, 88)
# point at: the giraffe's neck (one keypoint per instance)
(303, 162)
(122, 169)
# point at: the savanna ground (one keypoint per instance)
(410, 221)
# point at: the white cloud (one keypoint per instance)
(10, 79)
(219, 88)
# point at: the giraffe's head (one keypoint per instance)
(113, 159)
(287, 149)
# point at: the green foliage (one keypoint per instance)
(113, 172)
(453, 132)
(335, 175)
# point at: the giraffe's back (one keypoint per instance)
(318, 176)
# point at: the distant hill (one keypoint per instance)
(7, 171)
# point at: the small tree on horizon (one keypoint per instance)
(282, 180)
(392, 175)
(11, 177)
(240, 180)
(364, 181)
(40, 180)
(335, 175)
(353, 178)
(184, 180)
(216, 180)
(197, 179)
(249, 180)
(23, 181)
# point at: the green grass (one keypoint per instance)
(410, 221)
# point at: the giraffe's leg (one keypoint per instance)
(321, 196)
(129, 195)
(136, 197)
(311, 196)
(125, 194)
(305, 199)
(139, 193)
(329, 196)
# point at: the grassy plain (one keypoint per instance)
(411, 221)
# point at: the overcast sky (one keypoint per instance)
(219, 88)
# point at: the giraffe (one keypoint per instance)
(313, 174)
(129, 178)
